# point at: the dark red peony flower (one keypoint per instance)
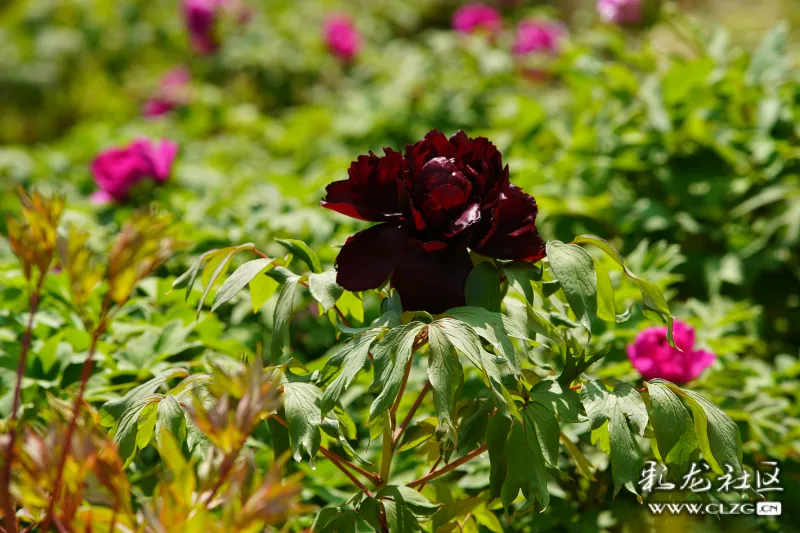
(434, 202)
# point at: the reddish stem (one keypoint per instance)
(5, 481)
(372, 476)
(407, 420)
(356, 482)
(452, 466)
(435, 464)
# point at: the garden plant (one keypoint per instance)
(418, 266)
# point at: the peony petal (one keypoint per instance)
(431, 281)
(699, 360)
(374, 191)
(101, 198)
(513, 233)
(367, 259)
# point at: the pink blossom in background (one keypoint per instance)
(201, 18)
(653, 357)
(538, 36)
(171, 93)
(620, 11)
(117, 170)
(341, 36)
(475, 17)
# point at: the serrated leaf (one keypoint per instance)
(673, 427)
(445, 374)
(282, 317)
(112, 410)
(172, 419)
(497, 433)
(351, 359)
(466, 341)
(526, 461)
(482, 288)
(301, 403)
(301, 250)
(492, 327)
(574, 270)
(324, 289)
(391, 356)
(126, 429)
(239, 280)
(335, 520)
(717, 435)
(565, 402)
(413, 499)
(621, 408)
(222, 263)
(653, 302)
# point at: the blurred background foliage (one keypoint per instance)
(679, 144)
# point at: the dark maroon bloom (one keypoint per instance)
(441, 197)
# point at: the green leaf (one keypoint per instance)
(261, 289)
(717, 435)
(351, 305)
(454, 510)
(445, 374)
(391, 356)
(126, 429)
(526, 458)
(496, 437)
(770, 62)
(606, 308)
(574, 270)
(521, 275)
(492, 327)
(653, 302)
(672, 425)
(483, 287)
(324, 289)
(657, 114)
(467, 342)
(301, 250)
(399, 518)
(564, 402)
(172, 419)
(239, 280)
(351, 358)
(282, 316)
(335, 520)
(620, 408)
(413, 499)
(112, 410)
(301, 403)
(222, 263)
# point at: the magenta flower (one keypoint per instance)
(538, 36)
(476, 17)
(201, 18)
(341, 37)
(621, 11)
(117, 170)
(434, 202)
(170, 94)
(653, 357)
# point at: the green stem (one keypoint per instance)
(386, 455)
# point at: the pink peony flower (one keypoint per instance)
(117, 170)
(653, 357)
(538, 36)
(475, 17)
(621, 11)
(171, 93)
(341, 37)
(201, 18)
